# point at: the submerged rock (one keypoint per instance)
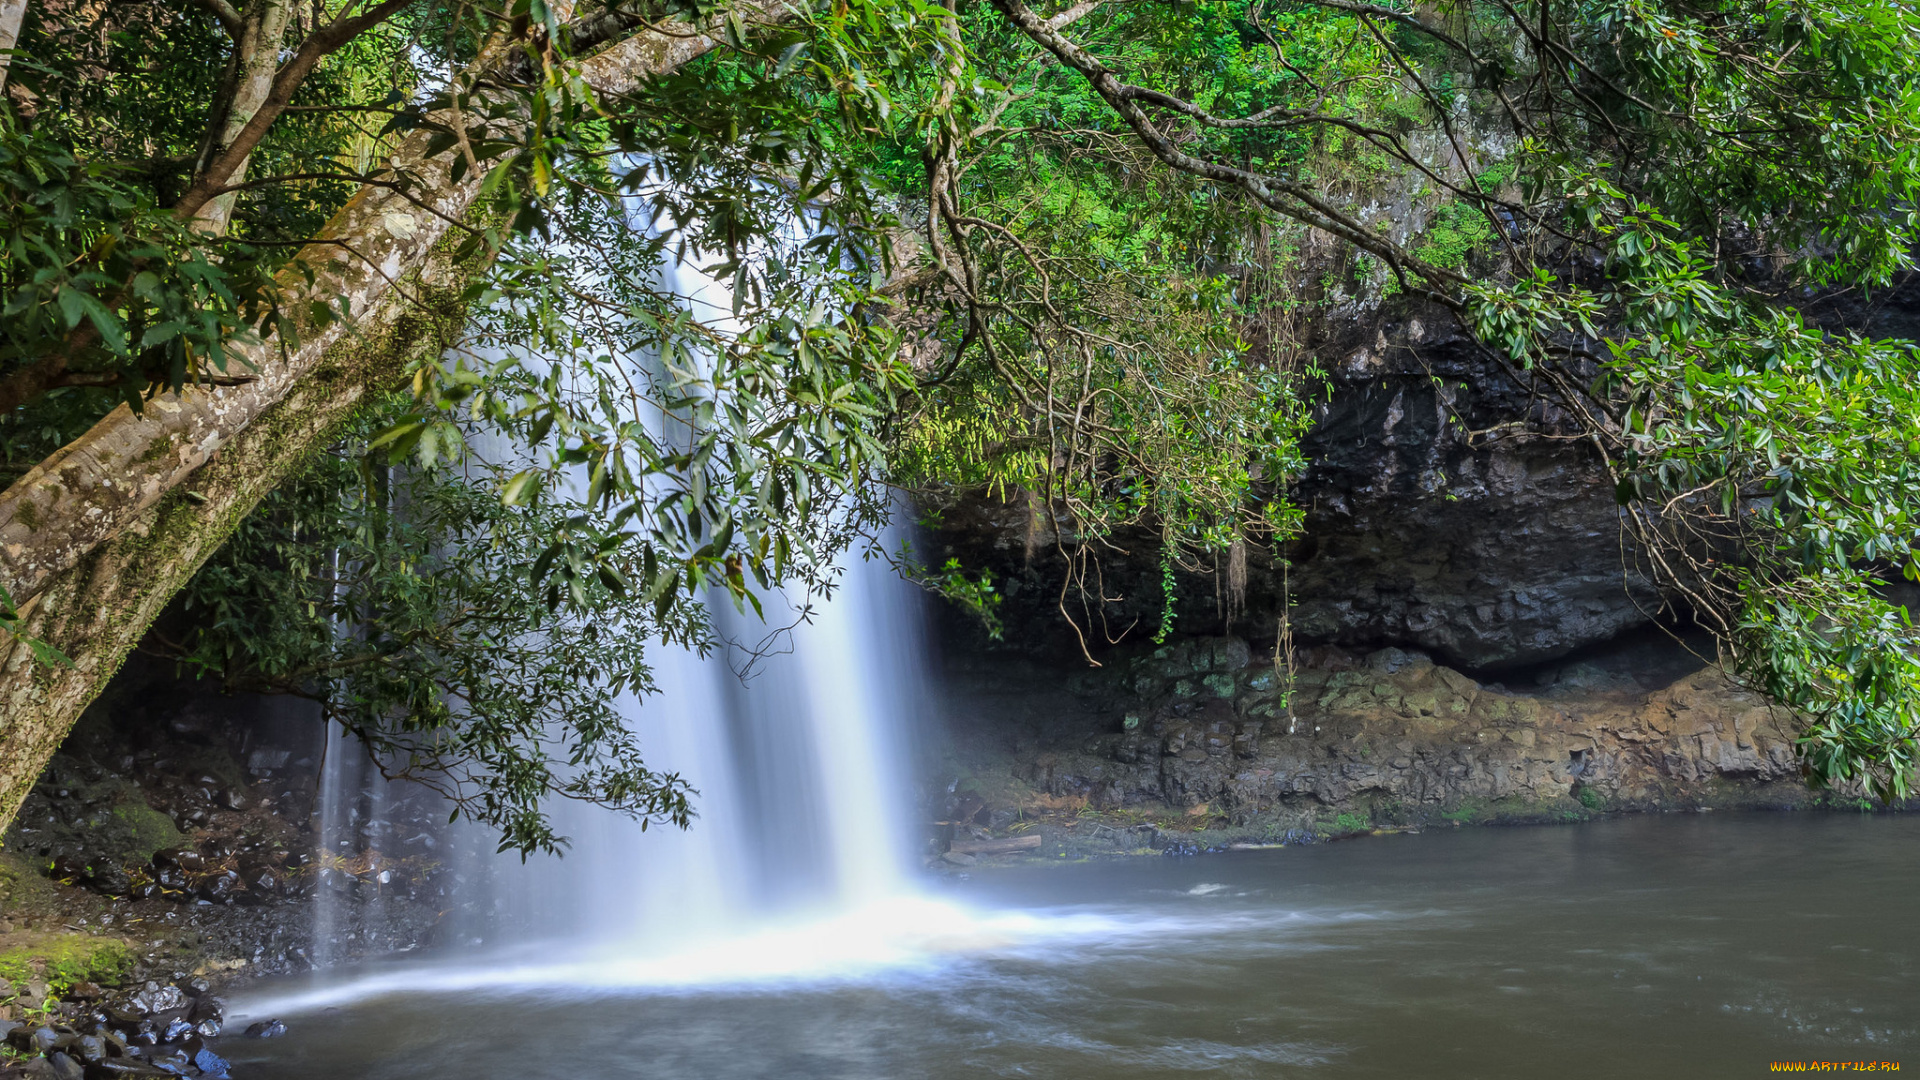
(266, 1029)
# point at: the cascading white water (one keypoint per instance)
(796, 866)
(798, 758)
(800, 769)
(797, 749)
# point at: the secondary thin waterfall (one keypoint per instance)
(349, 825)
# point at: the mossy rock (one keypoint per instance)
(1507, 710)
(147, 830)
(118, 827)
(65, 959)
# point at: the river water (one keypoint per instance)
(1670, 946)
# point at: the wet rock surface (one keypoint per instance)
(153, 1029)
(171, 848)
(1199, 745)
(230, 886)
(1448, 508)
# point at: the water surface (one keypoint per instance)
(1680, 945)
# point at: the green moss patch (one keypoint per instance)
(64, 959)
(146, 830)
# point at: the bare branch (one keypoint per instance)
(1073, 14)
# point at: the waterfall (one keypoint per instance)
(348, 813)
(799, 761)
(795, 738)
(802, 834)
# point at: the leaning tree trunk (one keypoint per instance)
(97, 611)
(95, 487)
(12, 14)
(96, 539)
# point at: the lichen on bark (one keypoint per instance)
(97, 611)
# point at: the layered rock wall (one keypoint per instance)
(1202, 738)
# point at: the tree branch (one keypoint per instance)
(294, 72)
(12, 14)
(100, 484)
(1073, 14)
(229, 18)
(1284, 197)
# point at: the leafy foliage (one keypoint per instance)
(96, 267)
(1781, 465)
(1113, 212)
(398, 599)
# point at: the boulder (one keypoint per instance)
(154, 998)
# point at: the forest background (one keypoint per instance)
(356, 337)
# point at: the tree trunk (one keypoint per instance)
(93, 488)
(259, 49)
(96, 539)
(97, 611)
(12, 14)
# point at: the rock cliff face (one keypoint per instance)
(1199, 743)
(1448, 509)
(1451, 510)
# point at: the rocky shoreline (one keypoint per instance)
(171, 852)
(158, 1029)
(1203, 746)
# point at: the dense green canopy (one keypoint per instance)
(972, 248)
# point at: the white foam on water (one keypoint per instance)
(878, 943)
(902, 934)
